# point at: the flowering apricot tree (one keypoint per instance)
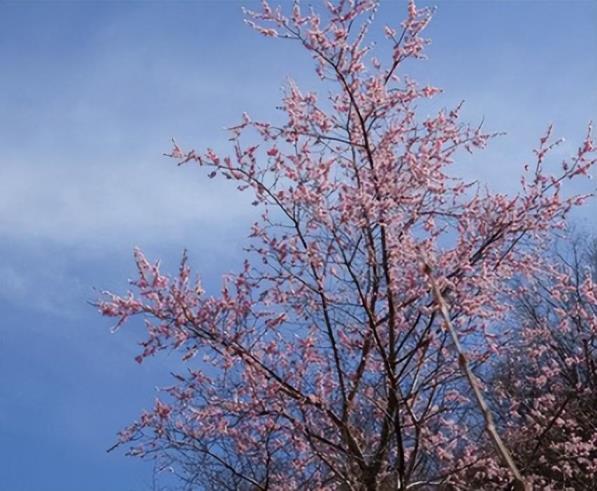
(325, 363)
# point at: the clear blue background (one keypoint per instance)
(90, 94)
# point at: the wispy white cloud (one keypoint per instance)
(40, 286)
(106, 205)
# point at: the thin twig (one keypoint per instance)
(519, 483)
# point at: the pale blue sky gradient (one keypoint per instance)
(91, 93)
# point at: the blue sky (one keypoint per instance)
(92, 91)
